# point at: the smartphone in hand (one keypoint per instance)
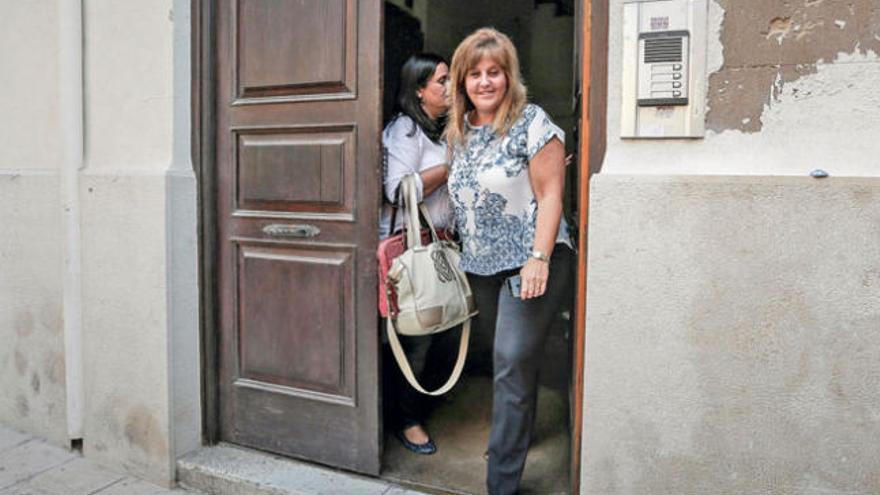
(514, 285)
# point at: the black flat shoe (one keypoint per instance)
(426, 448)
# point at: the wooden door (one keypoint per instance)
(298, 108)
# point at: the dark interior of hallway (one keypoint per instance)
(459, 423)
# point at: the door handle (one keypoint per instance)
(291, 230)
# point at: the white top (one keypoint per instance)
(405, 155)
(495, 207)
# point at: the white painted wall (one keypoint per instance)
(733, 336)
(103, 166)
(733, 302)
(129, 85)
(32, 364)
(30, 92)
(140, 294)
(32, 381)
(826, 120)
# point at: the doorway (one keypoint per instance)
(316, 117)
(544, 33)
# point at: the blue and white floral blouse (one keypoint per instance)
(492, 199)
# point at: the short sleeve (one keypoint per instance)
(402, 155)
(540, 131)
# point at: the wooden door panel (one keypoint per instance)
(266, 423)
(268, 113)
(298, 167)
(295, 48)
(295, 320)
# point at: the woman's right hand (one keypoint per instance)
(534, 276)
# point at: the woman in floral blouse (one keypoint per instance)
(506, 185)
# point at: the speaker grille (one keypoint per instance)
(663, 50)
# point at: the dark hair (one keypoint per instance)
(414, 75)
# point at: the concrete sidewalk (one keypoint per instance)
(30, 466)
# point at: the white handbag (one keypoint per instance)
(432, 293)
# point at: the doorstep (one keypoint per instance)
(231, 470)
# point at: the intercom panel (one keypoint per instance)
(663, 68)
(664, 64)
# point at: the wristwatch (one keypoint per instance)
(539, 255)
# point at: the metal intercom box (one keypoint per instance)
(664, 68)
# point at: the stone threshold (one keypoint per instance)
(231, 470)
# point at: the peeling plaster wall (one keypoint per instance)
(792, 87)
(768, 45)
(32, 361)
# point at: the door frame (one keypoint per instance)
(203, 142)
(591, 51)
(592, 26)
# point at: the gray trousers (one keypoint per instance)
(520, 330)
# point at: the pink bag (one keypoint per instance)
(391, 248)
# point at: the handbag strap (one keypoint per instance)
(424, 211)
(413, 209)
(398, 204)
(403, 362)
(394, 207)
(411, 212)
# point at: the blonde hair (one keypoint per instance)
(484, 42)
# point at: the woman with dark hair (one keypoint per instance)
(413, 145)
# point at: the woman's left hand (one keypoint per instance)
(534, 278)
